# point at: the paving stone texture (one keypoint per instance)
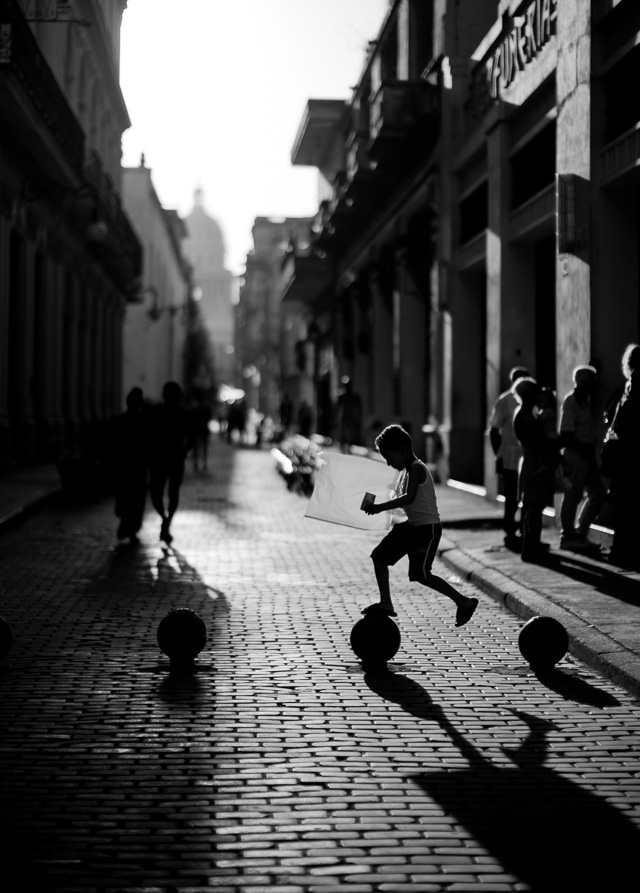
(280, 765)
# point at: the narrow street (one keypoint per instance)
(279, 764)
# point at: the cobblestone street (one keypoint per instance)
(280, 765)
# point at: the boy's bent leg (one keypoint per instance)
(421, 560)
(466, 605)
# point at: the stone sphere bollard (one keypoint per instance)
(375, 639)
(6, 637)
(182, 635)
(543, 641)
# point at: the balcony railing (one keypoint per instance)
(359, 165)
(398, 109)
(305, 277)
(535, 217)
(473, 253)
(26, 71)
(119, 247)
(621, 156)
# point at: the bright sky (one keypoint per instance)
(216, 91)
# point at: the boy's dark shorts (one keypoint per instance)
(419, 543)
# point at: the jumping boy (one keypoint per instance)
(419, 535)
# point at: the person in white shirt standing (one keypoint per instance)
(508, 454)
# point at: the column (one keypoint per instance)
(4, 339)
(44, 362)
(70, 364)
(573, 153)
(510, 291)
(21, 351)
(411, 326)
(57, 339)
(380, 358)
(84, 354)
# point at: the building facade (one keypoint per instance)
(484, 211)
(69, 258)
(156, 327)
(269, 334)
(370, 281)
(213, 288)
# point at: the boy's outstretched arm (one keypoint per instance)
(374, 508)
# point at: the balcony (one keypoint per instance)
(401, 111)
(112, 238)
(360, 167)
(534, 218)
(305, 276)
(472, 255)
(620, 159)
(31, 101)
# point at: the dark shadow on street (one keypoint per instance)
(601, 577)
(127, 748)
(573, 688)
(551, 833)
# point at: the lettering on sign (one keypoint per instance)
(530, 32)
(49, 11)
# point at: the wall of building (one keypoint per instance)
(155, 328)
(69, 259)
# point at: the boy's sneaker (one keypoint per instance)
(466, 611)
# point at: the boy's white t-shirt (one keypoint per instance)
(424, 508)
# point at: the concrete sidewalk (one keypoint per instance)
(598, 605)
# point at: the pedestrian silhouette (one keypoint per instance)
(128, 441)
(535, 481)
(170, 440)
(508, 454)
(349, 417)
(237, 421)
(286, 412)
(580, 436)
(624, 491)
(305, 419)
(201, 417)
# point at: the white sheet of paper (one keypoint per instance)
(340, 486)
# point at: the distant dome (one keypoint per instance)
(204, 245)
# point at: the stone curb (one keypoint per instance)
(33, 504)
(595, 649)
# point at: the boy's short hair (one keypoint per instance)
(394, 437)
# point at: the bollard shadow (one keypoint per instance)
(599, 576)
(546, 830)
(573, 688)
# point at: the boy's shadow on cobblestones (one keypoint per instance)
(549, 832)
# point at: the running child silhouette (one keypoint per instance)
(419, 535)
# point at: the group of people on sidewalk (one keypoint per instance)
(577, 455)
(147, 449)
